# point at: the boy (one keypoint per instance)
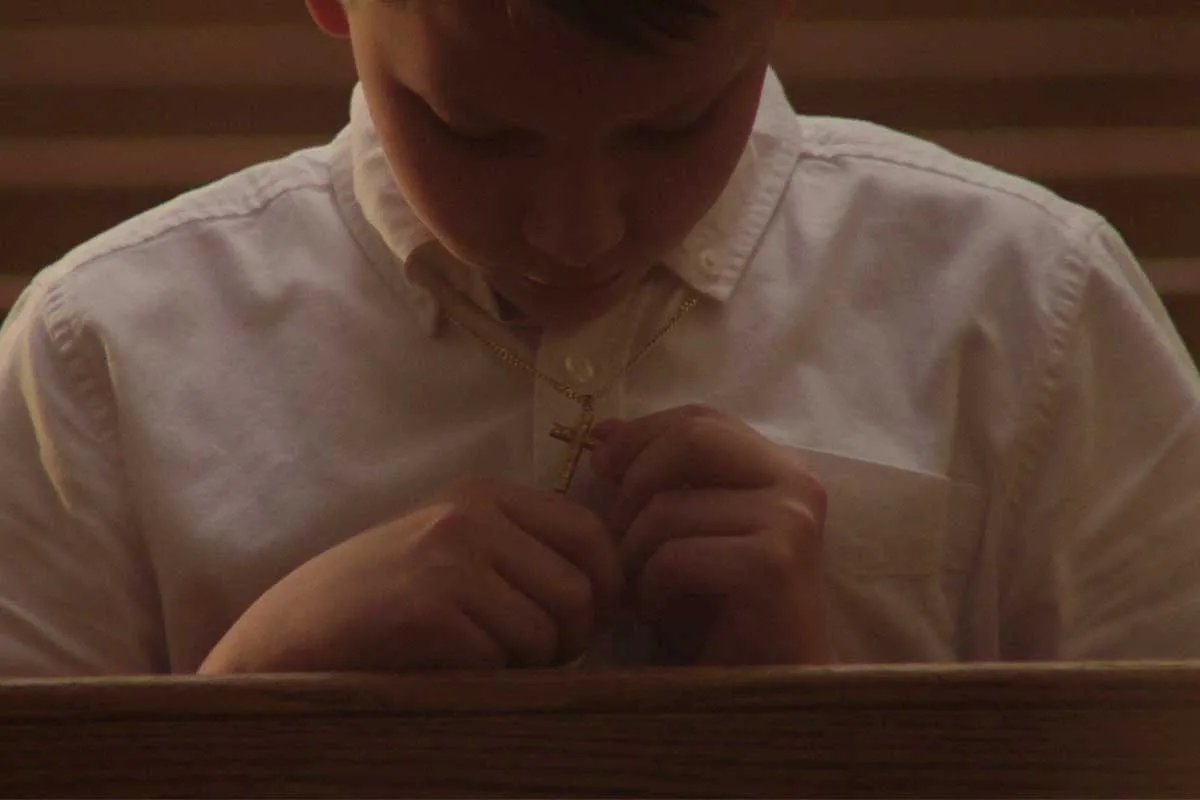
(734, 386)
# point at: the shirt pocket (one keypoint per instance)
(899, 546)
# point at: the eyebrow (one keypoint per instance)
(450, 108)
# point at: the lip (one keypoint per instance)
(541, 284)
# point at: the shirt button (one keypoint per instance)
(710, 263)
(580, 368)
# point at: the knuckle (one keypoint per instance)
(696, 411)
(800, 519)
(459, 520)
(817, 500)
(779, 559)
(782, 554)
(449, 528)
(694, 426)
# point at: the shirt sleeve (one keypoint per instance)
(77, 595)
(1100, 556)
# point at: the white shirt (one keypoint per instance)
(197, 402)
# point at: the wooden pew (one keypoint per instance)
(1093, 731)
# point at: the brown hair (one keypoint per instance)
(635, 24)
(632, 23)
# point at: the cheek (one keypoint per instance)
(676, 191)
(673, 194)
(468, 205)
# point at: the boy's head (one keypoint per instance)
(561, 146)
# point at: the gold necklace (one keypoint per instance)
(578, 437)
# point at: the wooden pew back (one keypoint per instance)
(998, 732)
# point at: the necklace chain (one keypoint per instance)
(565, 389)
(578, 437)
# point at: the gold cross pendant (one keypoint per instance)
(579, 438)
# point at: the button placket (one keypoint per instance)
(585, 362)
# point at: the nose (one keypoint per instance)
(575, 216)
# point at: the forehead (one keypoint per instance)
(502, 53)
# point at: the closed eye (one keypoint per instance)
(496, 138)
(489, 141)
(676, 134)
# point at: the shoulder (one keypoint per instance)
(220, 208)
(927, 214)
(892, 166)
(890, 240)
(219, 244)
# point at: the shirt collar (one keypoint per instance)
(711, 260)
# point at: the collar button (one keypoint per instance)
(580, 368)
(710, 263)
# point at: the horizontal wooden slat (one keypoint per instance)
(911, 105)
(1184, 308)
(46, 13)
(1044, 155)
(58, 12)
(267, 55)
(989, 50)
(1158, 217)
(952, 102)
(11, 287)
(104, 111)
(38, 227)
(297, 55)
(988, 9)
(135, 162)
(1081, 153)
(1175, 277)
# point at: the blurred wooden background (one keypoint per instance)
(107, 108)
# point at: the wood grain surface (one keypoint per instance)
(1094, 731)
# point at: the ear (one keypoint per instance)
(330, 16)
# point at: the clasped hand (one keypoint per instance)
(714, 541)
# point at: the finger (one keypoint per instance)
(554, 584)
(575, 534)
(525, 631)
(454, 640)
(690, 513)
(731, 600)
(681, 590)
(697, 452)
(621, 441)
